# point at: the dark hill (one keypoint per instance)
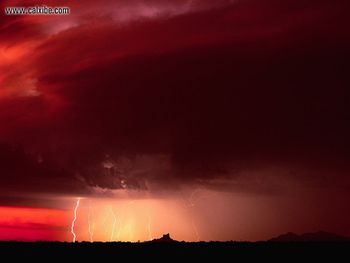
(164, 239)
(308, 237)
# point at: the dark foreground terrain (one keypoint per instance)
(167, 252)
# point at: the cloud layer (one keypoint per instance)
(236, 96)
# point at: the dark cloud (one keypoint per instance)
(25, 171)
(201, 97)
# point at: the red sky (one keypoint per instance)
(164, 113)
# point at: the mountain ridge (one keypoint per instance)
(309, 237)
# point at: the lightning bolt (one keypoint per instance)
(75, 219)
(192, 201)
(120, 228)
(91, 226)
(190, 204)
(195, 230)
(150, 237)
(106, 227)
(113, 227)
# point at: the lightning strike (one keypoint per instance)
(195, 230)
(119, 230)
(192, 198)
(190, 204)
(150, 236)
(75, 219)
(91, 226)
(114, 223)
(104, 222)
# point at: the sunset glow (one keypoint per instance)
(32, 224)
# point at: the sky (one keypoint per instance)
(208, 120)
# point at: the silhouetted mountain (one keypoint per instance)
(164, 239)
(317, 236)
(288, 237)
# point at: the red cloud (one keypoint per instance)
(211, 87)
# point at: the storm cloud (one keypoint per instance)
(235, 96)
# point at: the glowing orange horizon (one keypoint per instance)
(104, 220)
(32, 224)
(130, 220)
